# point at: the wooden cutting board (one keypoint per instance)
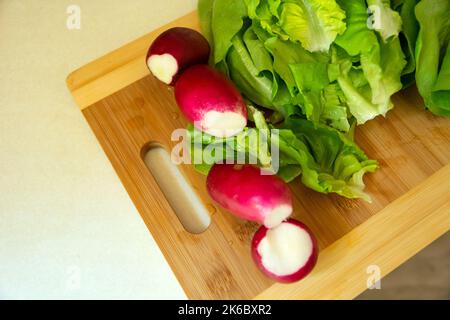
(127, 109)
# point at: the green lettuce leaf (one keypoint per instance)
(408, 37)
(326, 160)
(285, 54)
(226, 21)
(306, 75)
(205, 12)
(358, 37)
(381, 62)
(386, 21)
(335, 111)
(383, 67)
(314, 23)
(330, 162)
(322, 102)
(255, 85)
(433, 55)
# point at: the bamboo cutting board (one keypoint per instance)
(127, 109)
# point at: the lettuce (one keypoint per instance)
(326, 160)
(386, 21)
(330, 162)
(287, 53)
(313, 69)
(313, 23)
(381, 61)
(226, 21)
(319, 69)
(433, 55)
(408, 37)
(205, 11)
(246, 69)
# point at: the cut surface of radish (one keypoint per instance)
(284, 249)
(175, 50)
(286, 253)
(249, 195)
(164, 67)
(210, 101)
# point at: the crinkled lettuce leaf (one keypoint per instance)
(326, 160)
(322, 102)
(252, 145)
(270, 67)
(369, 84)
(250, 71)
(319, 69)
(313, 23)
(386, 21)
(287, 53)
(330, 162)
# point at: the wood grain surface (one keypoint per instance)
(127, 109)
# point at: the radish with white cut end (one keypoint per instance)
(175, 50)
(211, 101)
(245, 192)
(286, 253)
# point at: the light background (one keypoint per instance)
(67, 227)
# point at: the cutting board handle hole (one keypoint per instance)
(189, 208)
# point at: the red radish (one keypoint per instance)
(211, 101)
(175, 50)
(286, 253)
(245, 192)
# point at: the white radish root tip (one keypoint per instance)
(277, 216)
(223, 124)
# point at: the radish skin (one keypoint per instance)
(211, 101)
(175, 50)
(245, 192)
(287, 253)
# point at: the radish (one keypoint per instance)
(175, 50)
(286, 253)
(211, 101)
(245, 192)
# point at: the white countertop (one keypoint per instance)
(67, 226)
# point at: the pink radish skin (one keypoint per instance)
(175, 50)
(287, 253)
(245, 192)
(211, 101)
